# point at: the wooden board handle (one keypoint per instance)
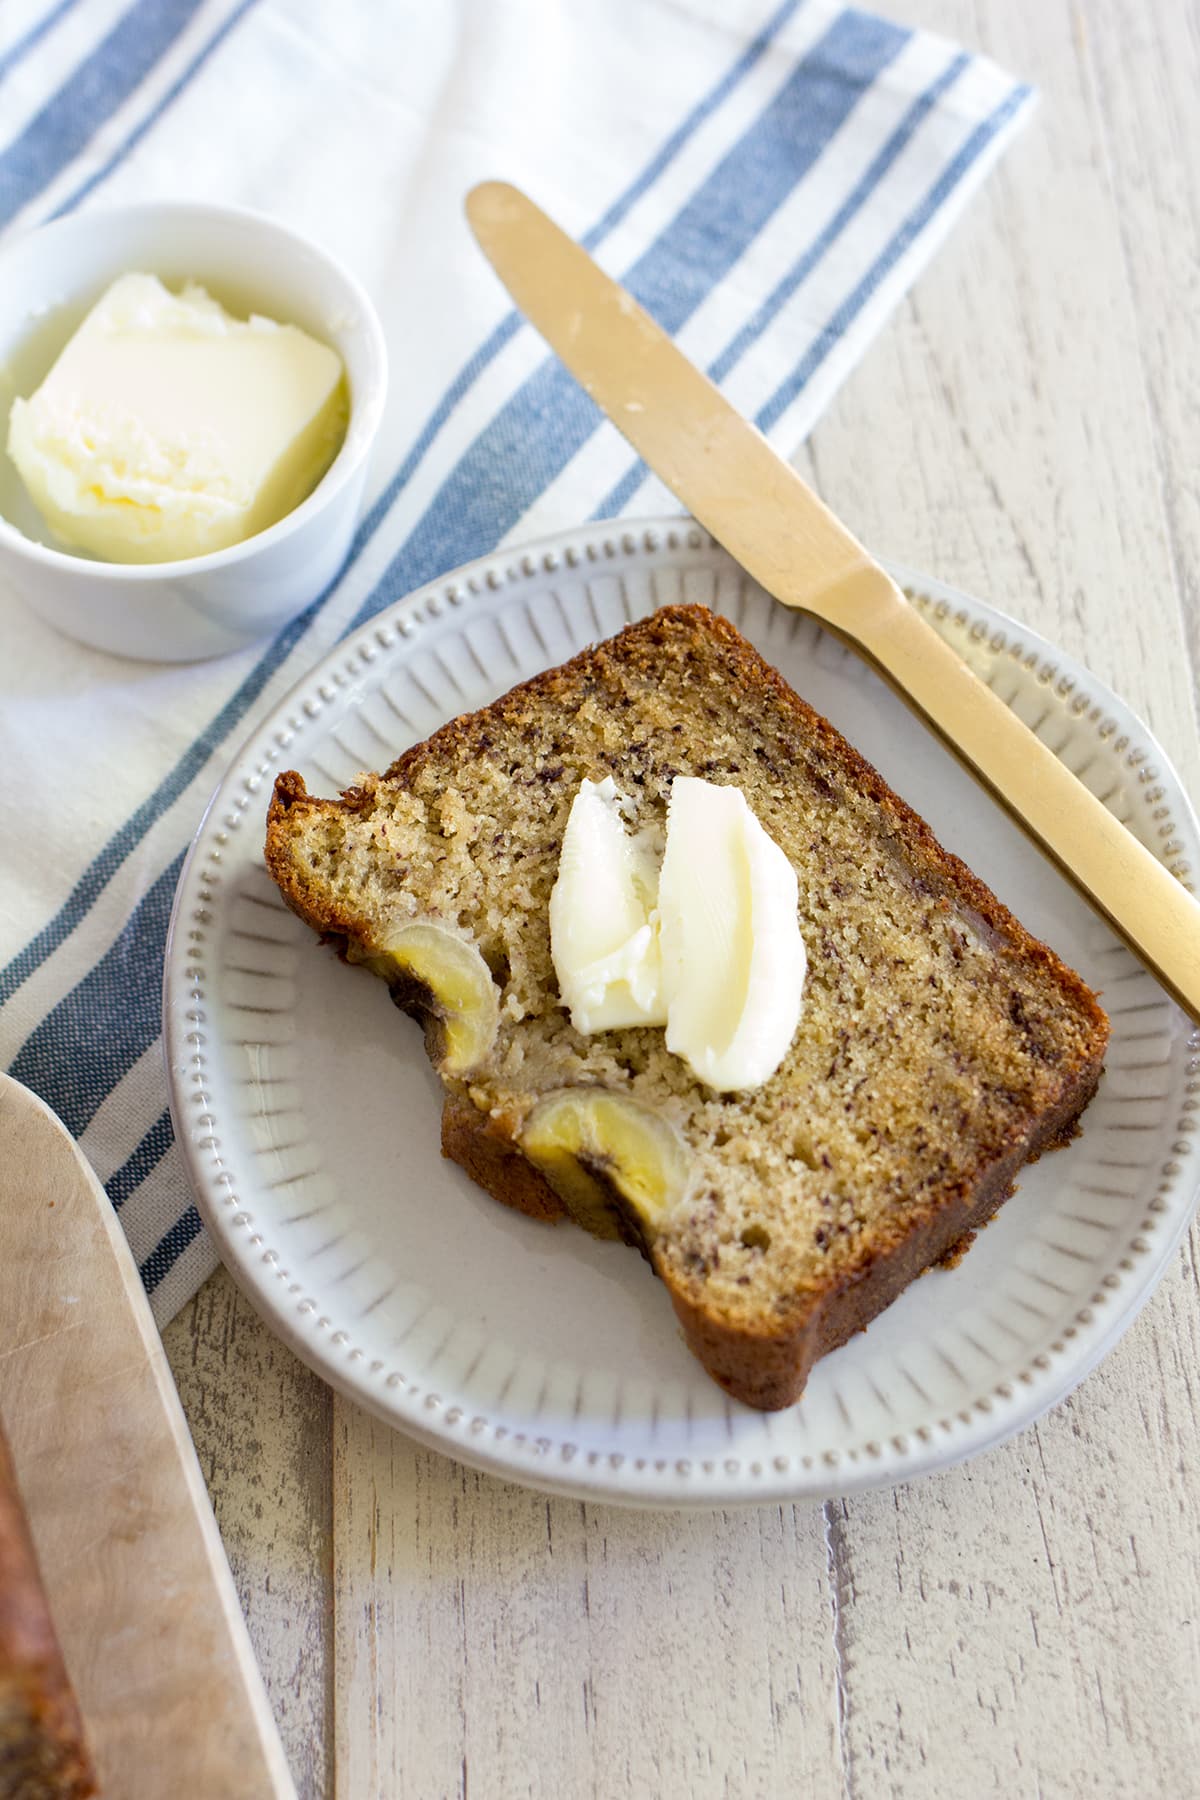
(139, 1588)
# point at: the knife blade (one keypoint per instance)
(731, 480)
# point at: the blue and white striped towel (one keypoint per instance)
(768, 179)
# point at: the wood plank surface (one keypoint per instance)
(261, 1423)
(1030, 1624)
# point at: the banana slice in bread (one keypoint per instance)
(439, 977)
(940, 1046)
(618, 1167)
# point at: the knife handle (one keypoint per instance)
(1144, 903)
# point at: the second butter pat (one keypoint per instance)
(167, 428)
(707, 945)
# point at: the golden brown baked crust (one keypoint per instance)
(486, 1149)
(931, 1184)
(769, 1370)
(42, 1750)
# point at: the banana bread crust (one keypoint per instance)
(761, 1356)
(769, 1370)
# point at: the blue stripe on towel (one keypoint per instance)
(170, 1248)
(623, 491)
(163, 105)
(20, 50)
(145, 1158)
(96, 1033)
(920, 216)
(88, 99)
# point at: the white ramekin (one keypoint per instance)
(203, 605)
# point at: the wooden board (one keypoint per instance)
(138, 1582)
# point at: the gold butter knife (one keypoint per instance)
(755, 504)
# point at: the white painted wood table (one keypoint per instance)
(1026, 1625)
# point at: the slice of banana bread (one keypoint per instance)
(940, 1047)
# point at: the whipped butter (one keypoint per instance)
(603, 932)
(167, 428)
(702, 939)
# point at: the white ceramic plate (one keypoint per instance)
(308, 1116)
